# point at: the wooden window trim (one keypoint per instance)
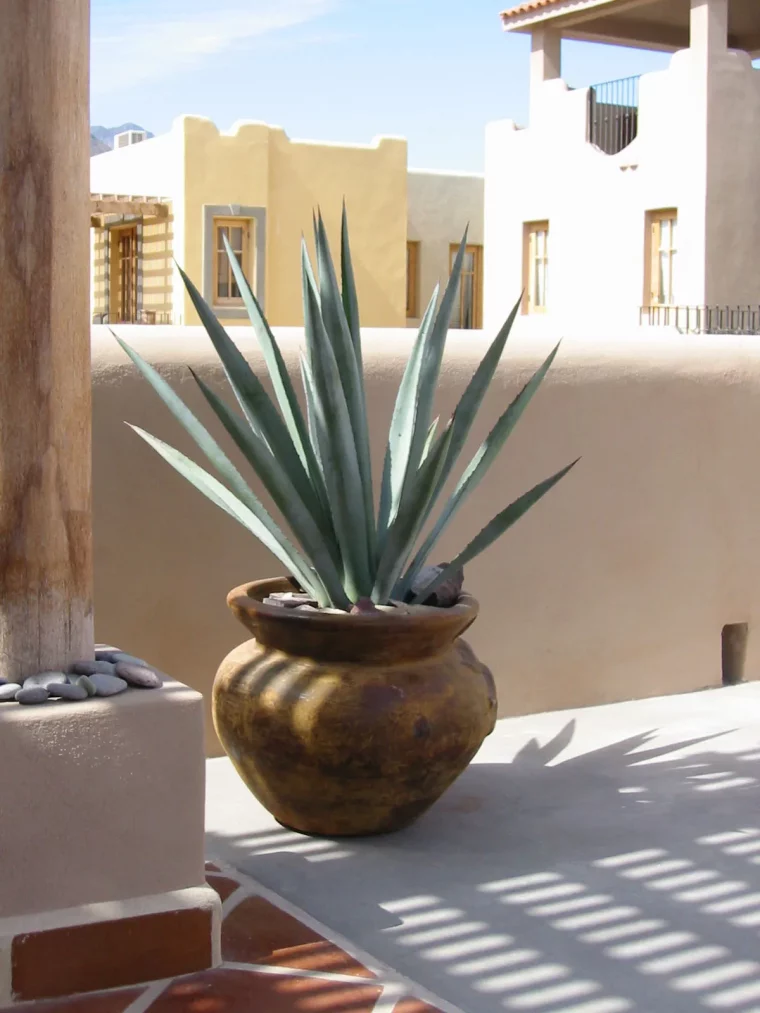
(476, 250)
(653, 226)
(412, 279)
(248, 226)
(531, 229)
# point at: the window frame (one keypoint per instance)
(652, 249)
(530, 231)
(257, 275)
(412, 279)
(477, 283)
(248, 225)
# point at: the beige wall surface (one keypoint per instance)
(697, 150)
(617, 585)
(441, 206)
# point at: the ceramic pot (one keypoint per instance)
(350, 725)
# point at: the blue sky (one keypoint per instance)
(433, 71)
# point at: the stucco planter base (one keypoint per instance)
(101, 844)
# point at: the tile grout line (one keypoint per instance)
(152, 992)
(303, 972)
(389, 999)
(386, 976)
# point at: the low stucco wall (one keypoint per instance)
(616, 586)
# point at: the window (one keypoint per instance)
(412, 280)
(535, 266)
(661, 239)
(467, 307)
(238, 234)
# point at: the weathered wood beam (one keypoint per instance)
(45, 415)
(105, 204)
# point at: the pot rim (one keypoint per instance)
(344, 637)
(242, 598)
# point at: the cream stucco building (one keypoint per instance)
(176, 195)
(636, 200)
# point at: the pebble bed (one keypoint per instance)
(110, 673)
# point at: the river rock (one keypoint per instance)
(107, 685)
(103, 653)
(32, 694)
(138, 675)
(8, 691)
(45, 679)
(130, 659)
(93, 668)
(87, 685)
(68, 691)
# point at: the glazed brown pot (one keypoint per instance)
(350, 725)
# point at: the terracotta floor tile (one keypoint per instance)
(411, 1005)
(224, 886)
(96, 1002)
(233, 991)
(257, 932)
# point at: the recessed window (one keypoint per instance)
(238, 232)
(467, 308)
(412, 280)
(535, 266)
(662, 247)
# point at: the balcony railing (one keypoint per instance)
(703, 319)
(613, 114)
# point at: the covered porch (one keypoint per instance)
(131, 259)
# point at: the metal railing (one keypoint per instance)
(703, 319)
(613, 114)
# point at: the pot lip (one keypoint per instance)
(243, 599)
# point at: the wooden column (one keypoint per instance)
(45, 414)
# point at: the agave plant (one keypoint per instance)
(316, 465)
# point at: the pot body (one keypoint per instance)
(350, 725)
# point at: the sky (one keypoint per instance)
(433, 71)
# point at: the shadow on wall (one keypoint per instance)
(622, 879)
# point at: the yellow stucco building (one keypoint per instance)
(180, 192)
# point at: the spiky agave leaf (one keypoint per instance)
(316, 468)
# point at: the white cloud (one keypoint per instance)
(137, 41)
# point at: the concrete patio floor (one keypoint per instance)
(592, 861)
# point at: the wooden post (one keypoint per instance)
(45, 414)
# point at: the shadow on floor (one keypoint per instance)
(624, 878)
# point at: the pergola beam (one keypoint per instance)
(128, 204)
(45, 415)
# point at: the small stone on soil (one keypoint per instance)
(290, 599)
(8, 691)
(32, 695)
(45, 679)
(307, 608)
(137, 675)
(68, 691)
(93, 668)
(365, 607)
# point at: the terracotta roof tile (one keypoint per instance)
(526, 8)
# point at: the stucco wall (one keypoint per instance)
(259, 166)
(441, 204)
(698, 157)
(616, 586)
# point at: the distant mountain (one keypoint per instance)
(101, 138)
(97, 147)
